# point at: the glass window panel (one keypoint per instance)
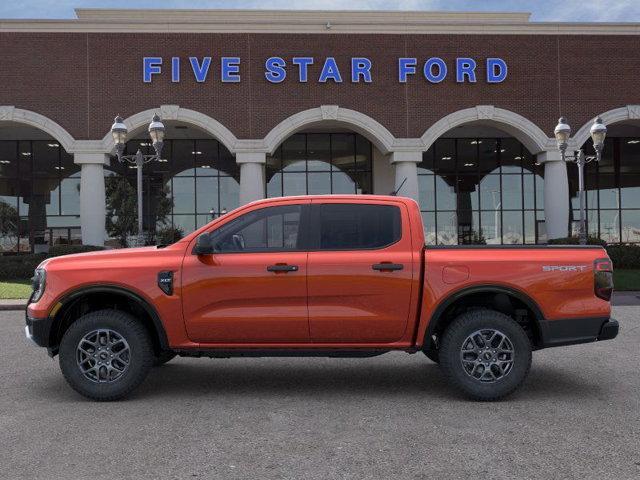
(9, 217)
(467, 154)
(606, 163)
(468, 228)
(490, 192)
(226, 164)
(630, 227)
(512, 191)
(70, 196)
(426, 165)
(58, 221)
(202, 220)
(539, 192)
(629, 154)
(488, 155)
(318, 152)
(529, 191)
(491, 227)
(630, 190)
(183, 192)
(467, 192)
(319, 183)
(610, 226)
(343, 151)
(186, 223)
(510, 155)
(46, 159)
(8, 159)
(363, 182)
(341, 182)
(530, 227)
(229, 193)
(426, 190)
(429, 224)
(206, 154)
(293, 153)
(445, 155)
(294, 184)
(363, 153)
(447, 228)
(608, 192)
(67, 167)
(274, 185)
(207, 195)
(512, 227)
(183, 158)
(445, 193)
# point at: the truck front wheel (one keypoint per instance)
(105, 354)
(486, 354)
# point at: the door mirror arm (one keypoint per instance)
(203, 245)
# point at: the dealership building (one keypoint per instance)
(456, 110)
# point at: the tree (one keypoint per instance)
(122, 208)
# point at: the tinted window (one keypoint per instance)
(271, 229)
(354, 226)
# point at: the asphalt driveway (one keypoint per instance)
(392, 416)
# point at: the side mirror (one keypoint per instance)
(203, 244)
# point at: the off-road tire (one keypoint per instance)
(164, 357)
(457, 334)
(140, 358)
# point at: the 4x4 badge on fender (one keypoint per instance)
(165, 282)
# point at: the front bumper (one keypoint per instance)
(556, 333)
(38, 330)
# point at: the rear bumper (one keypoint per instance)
(556, 333)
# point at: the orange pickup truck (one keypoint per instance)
(339, 276)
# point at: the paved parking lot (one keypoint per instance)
(393, 416)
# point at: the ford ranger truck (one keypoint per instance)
(337, 276)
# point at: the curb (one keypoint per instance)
(12, 305)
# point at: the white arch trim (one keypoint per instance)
(617, 115)
(9, 113)
(175, 112)
(516, 125)
(382, 138)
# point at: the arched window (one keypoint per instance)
(320, 163)
(39, 196)
(480, 190)
(195, 181)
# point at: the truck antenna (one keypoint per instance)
(395, 192)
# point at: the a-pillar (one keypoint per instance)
(92, 197)
(252, 183)
(406, 173)
(556, 194)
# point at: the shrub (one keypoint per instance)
(22, 266)
(624, 256)
(576, 241)
(169, 235)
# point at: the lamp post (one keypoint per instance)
(156, 132)
(562, 133)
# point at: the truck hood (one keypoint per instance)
(105, 257)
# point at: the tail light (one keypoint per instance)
(603, 278)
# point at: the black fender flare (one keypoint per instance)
(71, 297)
(489, 288)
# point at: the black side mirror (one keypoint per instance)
(203, 244)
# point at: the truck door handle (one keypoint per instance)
(282, 268)
(387, 266)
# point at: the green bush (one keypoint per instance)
(22, 266)
(169, 235)
(624, 257)
(576, 241)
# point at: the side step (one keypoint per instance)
(266, 352)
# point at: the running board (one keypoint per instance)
(265, 352)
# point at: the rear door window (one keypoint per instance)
(352, 226)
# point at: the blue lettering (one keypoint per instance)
(230, 69)
(330, 71)
(428, 70)
(150, 66)
(175, 69)
(496, 70)
(276, 72)
(360, 67)
(303, 64)
(465, 67)
(406, 66)
(200, 71)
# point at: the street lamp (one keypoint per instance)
(156, 132)
(562, 133)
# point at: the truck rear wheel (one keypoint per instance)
(105, 354)
(486, 354)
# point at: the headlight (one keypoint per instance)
(38, 282)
